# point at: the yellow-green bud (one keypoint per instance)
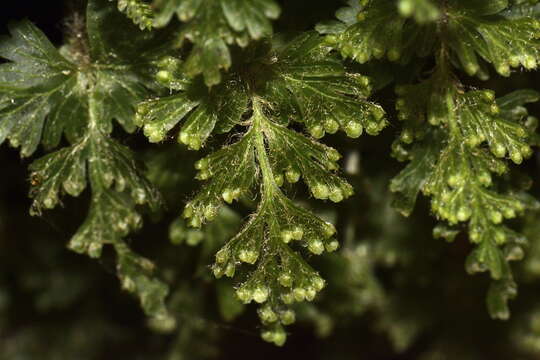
(373, 128)
(406, 8)
(297, 233)
(471, 68)
(526, 151)
(195, 222)
(201, 164)
(316, 247)
(353, 129)
(287, 298)
(336, 195)
(514, 60)
(267, 315)
(292, 175)
(455, 180)
(248, 256)
(529, 62)
(329, 229)
(473, 141)
(278, 180)
(299, 294)
(407, 136)
(260, 294)
(332, 246)
(210, 212)
(495, 217)
(227, 195)
(318, 283)
(503, 69)
(310, 294)
(484, 178)
(164, 76)
(286, 236)
(317, 131)
(222, 256)
(333, 154)
(320, 191)
(154, 132)
(285, 280)
(509, 213)
(516, 157)
(500, 237)
(218, 271)
(464, 213)
(331, 126)
(288, 317)
(184, 137)
(229, 270)
(244, 295)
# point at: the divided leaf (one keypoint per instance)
(472, 30)
(310, 86)
(136, 276)
(302, 83)
(32, 84)
(138, 11)
(77, 91)
(199, 107)
(375, 29)
(454, 166)
(117, 188)
(505, 43)
(305, 83)
(213, 25)
(411, 180)
(96, 159)
(44, 91)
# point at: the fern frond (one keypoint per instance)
(77, 92)
(305, 82)
(214, 25)
(454, 165)
(471, 30)
(137, 10)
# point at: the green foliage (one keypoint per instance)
(77, 92)
(26, 93)
(46, 93)
(309, 86)
(456, 139)
(422, 10)
(138, 11)
(217, 80)
(212, 26)
(471, 31)
(456, 170)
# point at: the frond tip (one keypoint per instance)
(140, 12)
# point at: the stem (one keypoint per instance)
(269, 188)
(93, 109)
(442, 29)
(269, 185)
(444, 71)
(450, 107)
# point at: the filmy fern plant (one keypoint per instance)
(214, 77)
